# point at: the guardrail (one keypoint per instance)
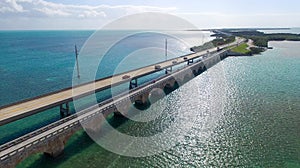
(77, 118)
(143, 88)
(59, 122)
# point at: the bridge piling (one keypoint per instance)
(52, 139)
(190, 62)
(122, 108)
(64, 111)
(133, 83)
(56, 150)
(169, 69)
(141, 99)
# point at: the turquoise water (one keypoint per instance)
(36, 62)
(33, 63)
(246, 113)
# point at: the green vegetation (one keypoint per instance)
(222, 41)
(213, 43)
(244, 50)
(241, 49)
(256, 50)
(261, 39)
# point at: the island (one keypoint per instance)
(256, 43)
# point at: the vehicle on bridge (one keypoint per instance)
(51, 138)
(125, 77)
(157, 67)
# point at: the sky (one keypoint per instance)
(93, 14)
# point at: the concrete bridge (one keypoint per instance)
(52, 138)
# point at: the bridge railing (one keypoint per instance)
(59, 122)
(69, 118)
(77, 118)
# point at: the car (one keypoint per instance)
(157, 67)
(185, 58)
(125, 77)
(174, 62)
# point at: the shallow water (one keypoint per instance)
(33, 63)
(246, 113)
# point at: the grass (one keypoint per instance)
(241, 49)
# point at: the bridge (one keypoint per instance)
(52, 138)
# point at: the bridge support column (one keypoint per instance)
(190, 61)
(141, 99)
(168, 70)
(224, 55)
(156, 94)
(133, 83)
(123, 108)
(55, 151)
(64, 110)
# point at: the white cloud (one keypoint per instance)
(221, 20)
(10, 6)
(5, 9)
(39, 8)
(91, 13)
(13, 4)
(41, 14)
(52, 11)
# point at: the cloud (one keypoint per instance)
(10, 6)
(41, 14)
(91, 13)
(52, 12)
(221, 20)
(40, 8)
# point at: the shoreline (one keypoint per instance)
(257, 41)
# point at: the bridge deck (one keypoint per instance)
(56, 127)
(23, 109)
(35, 105)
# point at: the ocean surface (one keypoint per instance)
(34, 63)
(294, 30)
(243, 112)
